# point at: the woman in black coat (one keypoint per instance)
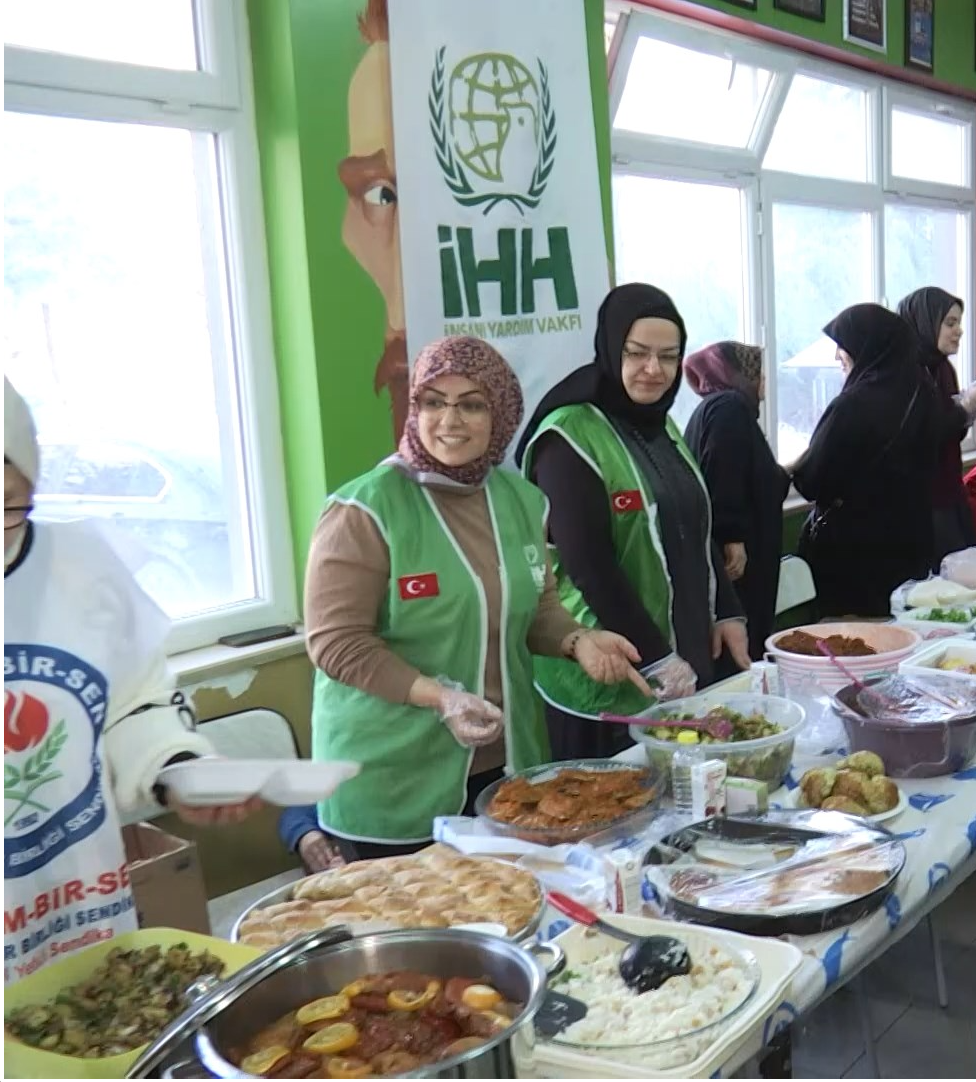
(745, 482)
(936, 318)
(869, 468)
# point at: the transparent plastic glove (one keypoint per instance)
(671, 678)
(968, 401)
(473, 721)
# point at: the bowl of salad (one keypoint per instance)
(764, 730)
(941, 622)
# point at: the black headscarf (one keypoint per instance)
(879, 343)
(924, 310)
(601, 382)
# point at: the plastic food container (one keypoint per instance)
(23, 1061)
(910, 749)
(921, 620)
(893, 643)
(947, 652)
(653, 780)
(766, 759)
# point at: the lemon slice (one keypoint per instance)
(402, 1000)
(355, 989)
(330, 1039)
(687, 736)
(480, 997)
(264, 1060)
(321, 1009)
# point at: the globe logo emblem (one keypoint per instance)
(494, 130)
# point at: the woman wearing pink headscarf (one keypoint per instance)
(428, 589)
(746, 484)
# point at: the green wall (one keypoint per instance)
(954, 33)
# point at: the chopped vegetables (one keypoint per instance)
(126, 1002)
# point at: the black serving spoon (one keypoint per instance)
(647, 962)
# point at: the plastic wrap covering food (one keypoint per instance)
(960, 567)
(823, 872)
(920, 699)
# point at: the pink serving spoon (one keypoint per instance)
(718, 728)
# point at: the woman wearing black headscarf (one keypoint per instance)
(630, 519)
(936, 318)
(746, 483)
(869, 468)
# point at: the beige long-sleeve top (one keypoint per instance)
(347, 580)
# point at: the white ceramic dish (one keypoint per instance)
(793, 797)
(208, 782)
(778, 962)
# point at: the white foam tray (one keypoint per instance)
(925, 662)
(779, 962)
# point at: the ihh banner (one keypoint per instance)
(501, 229)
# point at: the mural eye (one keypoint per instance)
(380, 195)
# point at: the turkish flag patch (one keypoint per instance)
(630, 500)
(416, 586)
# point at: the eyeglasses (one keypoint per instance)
(469, 409)
(667, 358)
(16, 516)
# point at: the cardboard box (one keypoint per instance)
(167, 882)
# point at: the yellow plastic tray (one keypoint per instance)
(22, 1061)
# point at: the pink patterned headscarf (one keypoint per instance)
(725, 366)
(484, 365)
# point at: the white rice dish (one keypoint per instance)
(618, 1017)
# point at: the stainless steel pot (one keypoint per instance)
(228, 1014)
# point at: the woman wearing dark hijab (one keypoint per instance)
(936, 318)
(869, 468)
(746, 483)
(630, 520)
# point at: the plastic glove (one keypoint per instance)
(675, 678)
(473, 721)
(968, 401)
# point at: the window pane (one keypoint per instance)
(822, 264)
(927, 246)
(928, 148)
(705, 281)
(158, 33)
(116, 328)
(803, 143)
(684, 94)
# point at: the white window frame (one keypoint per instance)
(668, 158)
(216, 99)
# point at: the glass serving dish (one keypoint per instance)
(651, 780)
(766, 759)
(661, 1050)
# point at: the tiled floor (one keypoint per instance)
(915, 1037)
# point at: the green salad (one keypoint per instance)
(764, 764)
(948, 616)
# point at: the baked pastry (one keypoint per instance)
(435, 888)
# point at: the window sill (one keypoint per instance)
(192, 666)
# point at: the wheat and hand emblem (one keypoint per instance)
(27, 726)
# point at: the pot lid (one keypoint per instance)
(207, 1000)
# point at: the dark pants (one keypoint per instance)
(575, 738)
(352, 851)
(954, 529)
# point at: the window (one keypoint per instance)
(766, 191)
(705, 281)
(136, 304)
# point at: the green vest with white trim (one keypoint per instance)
(435, 617)
(636, 541)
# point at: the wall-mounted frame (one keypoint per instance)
(866, 24)
(920, 34)
(806, 9)
(750, 4)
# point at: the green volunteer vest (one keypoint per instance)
(435, 617)
(637, 543)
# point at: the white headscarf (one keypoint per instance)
(19, 434)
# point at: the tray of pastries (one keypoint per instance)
(435, 888)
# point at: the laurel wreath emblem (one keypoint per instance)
(454, 174)
(20, 785)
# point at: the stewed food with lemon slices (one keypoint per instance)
(379, 1026)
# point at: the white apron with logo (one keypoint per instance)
(77, 634)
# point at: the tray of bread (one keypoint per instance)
(435, 888)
